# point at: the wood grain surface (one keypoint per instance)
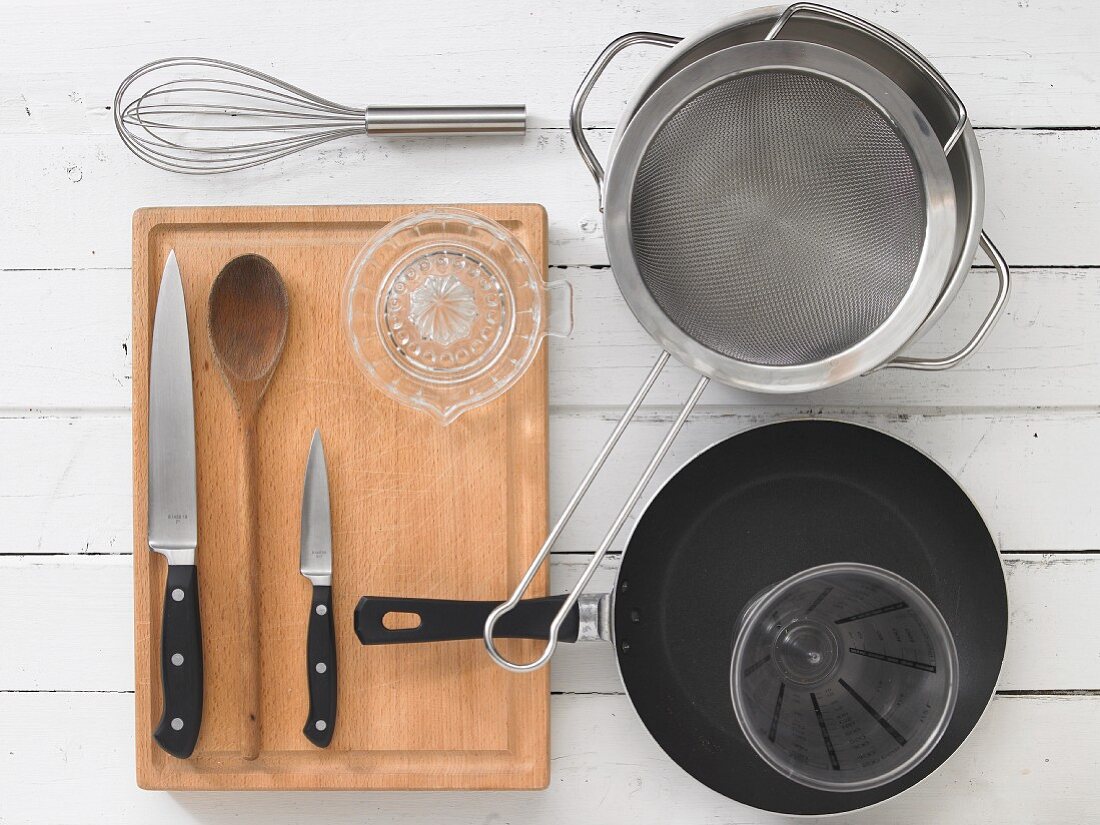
(417, 509)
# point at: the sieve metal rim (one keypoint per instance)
(879, 91)
(828, 30)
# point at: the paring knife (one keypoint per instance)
(173, 515)
(316, 565)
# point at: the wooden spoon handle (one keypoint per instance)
(250, 593)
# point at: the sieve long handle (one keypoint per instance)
(576, 111)
(891, 40)
(563, 612)
(1004, 276)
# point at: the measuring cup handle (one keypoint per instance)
(576, 112)
(892, 40)
(1004, 277)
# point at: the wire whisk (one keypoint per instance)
(201, 116)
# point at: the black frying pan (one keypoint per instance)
(745, 514)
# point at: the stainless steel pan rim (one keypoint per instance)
(877, 90)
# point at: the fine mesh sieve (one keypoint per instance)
(778, 217)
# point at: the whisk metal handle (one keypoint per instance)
(446, 120)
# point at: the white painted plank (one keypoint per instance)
(68, 625)
(66, 485)
(1031, 474)
(1014, 63)
(605, 769)
(1044, 351)
(66, 339)
(1052, 642)
(69, 198)
(67, 482)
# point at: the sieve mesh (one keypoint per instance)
(777, 217)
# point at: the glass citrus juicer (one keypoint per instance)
(445, 310)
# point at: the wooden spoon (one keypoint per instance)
(247, 321)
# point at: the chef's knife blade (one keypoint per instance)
(173, 515)
(315, 558)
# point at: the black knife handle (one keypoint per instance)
(444, 620)
(321, 666)
(180, 662)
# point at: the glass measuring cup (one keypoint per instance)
(843, 676)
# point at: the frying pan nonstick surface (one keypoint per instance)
(743, 515)
(755, 509)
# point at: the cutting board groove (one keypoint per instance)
(418, 509)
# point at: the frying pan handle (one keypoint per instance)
(891, 40)
(574, 596)
(1004, 276)
(444, 620)
(576, 112)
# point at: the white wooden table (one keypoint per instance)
(1018, 425)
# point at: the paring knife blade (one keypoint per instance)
(173, 515)
(315, 558)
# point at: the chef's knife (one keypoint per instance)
(173, 530)
(316, 564)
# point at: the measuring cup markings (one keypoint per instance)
(890, 729)
(888, 608)
(778, 708)
(825, 734)
(755, 666)
(821, 597)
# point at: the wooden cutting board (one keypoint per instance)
(418, 509)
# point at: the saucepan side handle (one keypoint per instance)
(576, 112)
(891, 40)
(1004, 277)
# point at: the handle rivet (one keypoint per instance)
(177, 595)
(322, 610)
(177, 659)
(321, 667)
(177, 724)
(320, 724)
